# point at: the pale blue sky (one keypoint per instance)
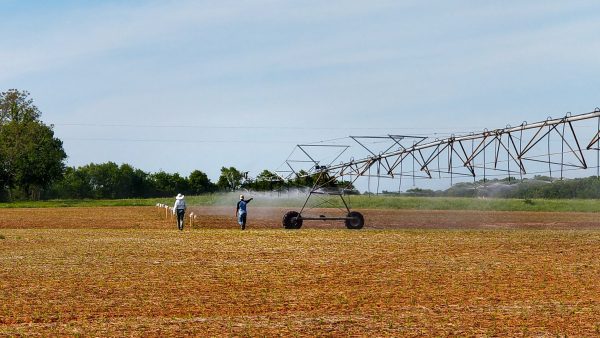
(184, 85)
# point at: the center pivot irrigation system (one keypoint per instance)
(553, 147)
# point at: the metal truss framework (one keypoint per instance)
(548, 147)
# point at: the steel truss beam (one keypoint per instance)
(505, 150)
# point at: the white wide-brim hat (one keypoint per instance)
(179, 197)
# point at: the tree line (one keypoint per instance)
(32, 166)
(111, 181)
(510, 187)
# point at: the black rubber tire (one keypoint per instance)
(357, 221)
(292, 220)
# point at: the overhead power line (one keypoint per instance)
(106, 139)
(294, 127)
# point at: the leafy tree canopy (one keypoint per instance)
(31, 158)
(200, 183)
(16, 106)
(230, 179)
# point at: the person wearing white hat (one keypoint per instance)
(241, 211)
(179, 209)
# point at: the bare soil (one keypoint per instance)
(271, 218)
(127, 271)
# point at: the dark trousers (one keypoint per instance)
(180, 216)
(242, 221)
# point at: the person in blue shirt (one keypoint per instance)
(179, 209)
(241, 211)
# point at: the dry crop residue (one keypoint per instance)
(269, 217)
(99, 278)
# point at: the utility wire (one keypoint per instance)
(174, 141)
(192, 126)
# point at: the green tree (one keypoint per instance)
(103, 178)
(16, 106)
(166, 184)
(140, 185)
(106, 180)
(200, 183)
(32, 158)
(303, 179)
(5, 176)
(267, 180)
(130, 182)
(230, 179)
(74, 184)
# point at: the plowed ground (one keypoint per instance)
(126, 271)
(268, 217)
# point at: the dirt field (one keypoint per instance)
(262, 218)
(127, 272)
